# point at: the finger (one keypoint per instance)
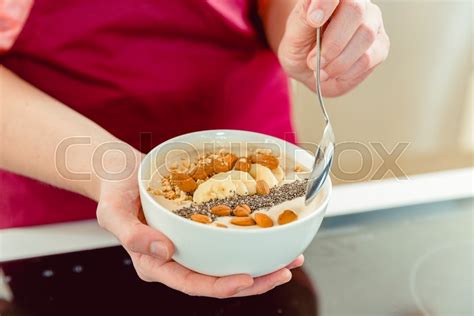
(337, 87)
(131, 233)
(266, 283)
(311, 61)
(298, 262)
(320, 11)
(376, 54)
(182, 279)
(344, 23)
(297, 27)
(363, 38)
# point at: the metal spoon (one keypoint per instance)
(325, 152)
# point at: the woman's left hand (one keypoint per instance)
(118, 211)
(354, 42)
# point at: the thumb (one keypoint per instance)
(308, 15)
(133, 234)
(297, 25)
(319, 11)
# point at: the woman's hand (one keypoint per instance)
(354, 42)
(103, 159)
(119, 212)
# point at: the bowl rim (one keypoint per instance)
(145, 194)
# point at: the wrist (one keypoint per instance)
(116, 163)
(103, 161)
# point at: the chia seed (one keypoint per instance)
(277, 195)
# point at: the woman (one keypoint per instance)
(82, 77)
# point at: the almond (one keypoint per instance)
(242, 210)
(262, 187)
(183, 181)
(221, 225)
(246, 207)
(286, 217)
(266, 160)
(263, 220)
(221, 210)
(243, 165)
(200, 173)
(200, 218)
(243, 221)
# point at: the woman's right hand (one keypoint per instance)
(119, 212)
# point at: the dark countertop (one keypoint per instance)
(413, 260)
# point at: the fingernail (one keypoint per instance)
(159, 249)
(323, 76)
(316, 17)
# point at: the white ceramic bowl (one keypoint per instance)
(215, 251)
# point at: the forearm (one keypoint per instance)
(33, 127)
(274, 14)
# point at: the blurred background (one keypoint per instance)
(421, 95)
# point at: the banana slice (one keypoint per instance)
(241, 188)
(279, 174)
(260, 172)
(246, 179)
(249, 182)
(243, 181)
(223, 189)
(214, 189)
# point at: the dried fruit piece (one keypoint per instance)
(221, 210)
(220, 165)
(286, 217)
(183, 181)
(243, 221)
(223, 163)
(199, 173)
(266, 160)
(209, 168)
(242, 164)
(221, 225)
(230, 160)
(263, 220)
(201, 218)
(262, 188)
(242, 210)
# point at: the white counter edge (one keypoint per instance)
(17, 243)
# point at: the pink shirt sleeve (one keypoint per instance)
(13, 14)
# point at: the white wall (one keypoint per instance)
(421, 94)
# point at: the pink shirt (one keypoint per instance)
(141, 69)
